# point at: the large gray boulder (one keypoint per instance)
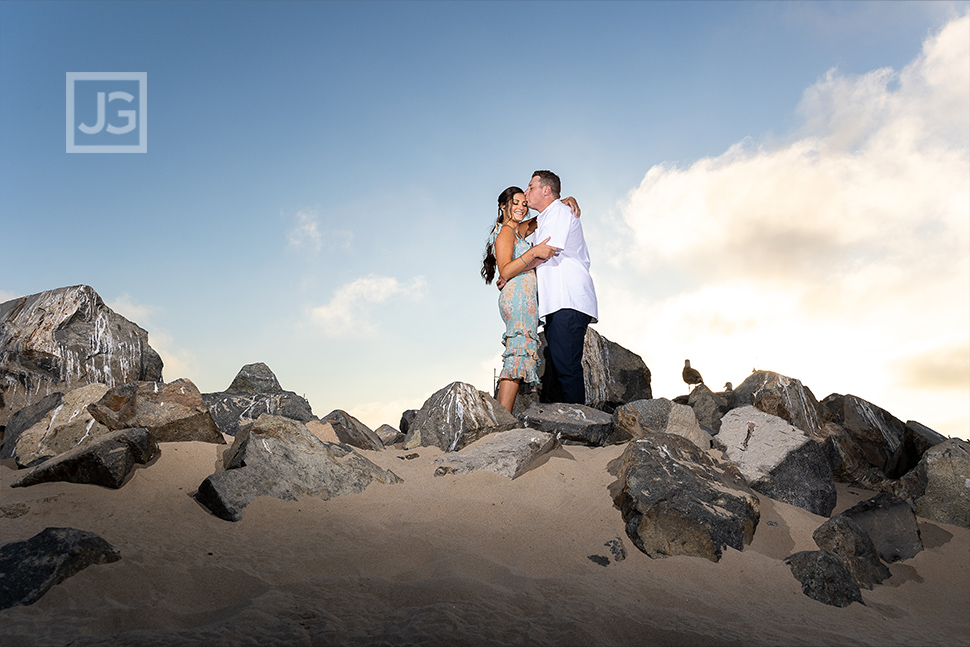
(456, 416)
(677, 500)
(709, 407)
(508, 453)
(279, 457)
(781, 396)
(58, 340)
(29, 568)
(825, 578)
(945, 469)
(25, 419)
(352, 431)
(572, 424)
(873, 436)
(843, 537)
(253, 392)
(107, 460)
(778, 460)
(62, 428)
(173, 412)
(659, 416)
(612, 374)
(891, 524)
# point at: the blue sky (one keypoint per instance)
(321, 176)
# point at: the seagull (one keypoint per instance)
(691, 375)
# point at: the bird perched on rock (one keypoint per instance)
(691, 375)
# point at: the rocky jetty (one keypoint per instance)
(58, 340)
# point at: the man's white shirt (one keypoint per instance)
(564, 280)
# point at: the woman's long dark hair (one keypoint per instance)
(488, 264)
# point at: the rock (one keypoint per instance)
(891, 525)
(572, 424)
(389, 435)
(107, 460)
(173, 412)
(253, 392)
(61, 339)
(352, 431)
(874, 435)
(456, 416)
(709, 407)
(322, 430)
(25, 419)
(279, 457)
(825, 578)
(508, 453)
(29, 568)
(945, 469)
(677, 500)
(406, 418)
(780, 396)
(660, 416)
(843, 537)
(66, 426)
(778, 460)
(612, 374)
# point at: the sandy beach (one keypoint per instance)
(454, 560)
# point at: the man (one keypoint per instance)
(567, 299)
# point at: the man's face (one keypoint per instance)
(534, 193)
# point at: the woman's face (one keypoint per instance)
(516, 209)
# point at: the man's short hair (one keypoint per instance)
(549, 179)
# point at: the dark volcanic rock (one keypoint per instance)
(107, 461)
(406, 419)
(677, 500)
(612, 374)
(29, 568)
(173, 412)
(352, 431)
(659, 416)
(389, 435)
(456, 416)
(572, 424)
(891, 525)
(825, 578)
(946, 471)
(279, 457)
(874, 435)
(253, 392)
(778, 460)
(843, 537)
(61, 339)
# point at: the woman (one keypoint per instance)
(515, 258)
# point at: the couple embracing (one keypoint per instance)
(545, 282)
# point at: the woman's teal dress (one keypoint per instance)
(518, 303)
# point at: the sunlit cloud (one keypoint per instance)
(834, 257)
(306, 233)
(350, 312)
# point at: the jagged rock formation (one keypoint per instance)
(253, 392)
(780, 396)
(677, 500)
(658, 416)
(29, 568)
(572, 424)
(778, 460)
(106, 461)
(58, 340)
(456, 416)
(946, 471)
(844, 538)
(612, 374)
(352, 431)
(279, 457)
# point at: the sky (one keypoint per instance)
(780, 186)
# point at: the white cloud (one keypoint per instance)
(841, 258)
(350, 311)
(306, 233)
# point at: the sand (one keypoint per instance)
(455, 560)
